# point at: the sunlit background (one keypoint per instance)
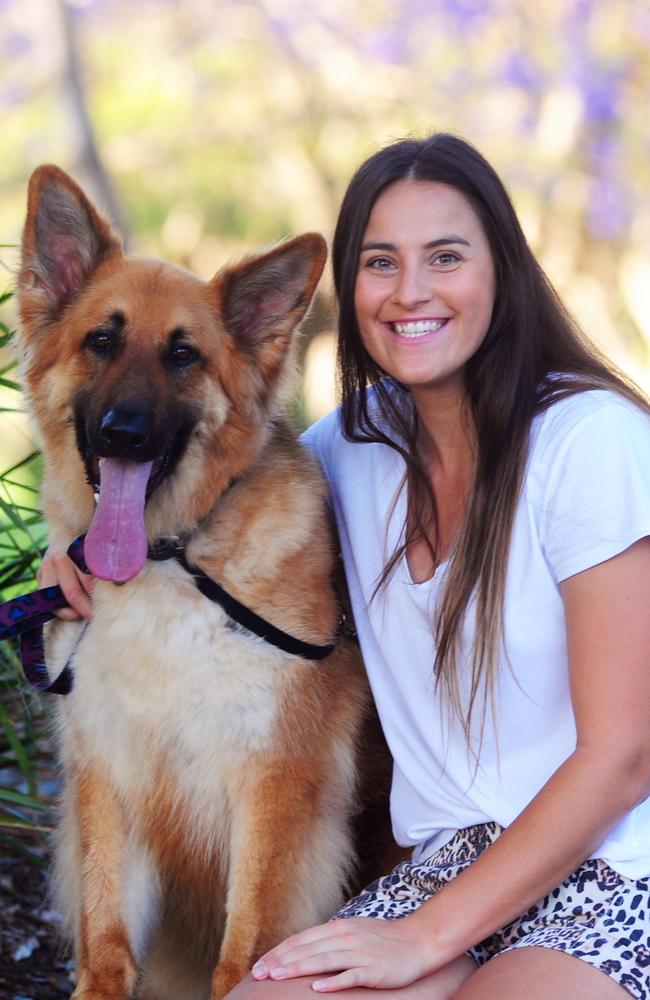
(209, 127)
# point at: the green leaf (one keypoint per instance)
(24, 461)
(20, 799)
(22, 486)
(24, 763)
(12, 513)
(15, 822)
(17, 848)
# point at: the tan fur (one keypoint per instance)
(211, 781)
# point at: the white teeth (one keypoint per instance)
(418, 328)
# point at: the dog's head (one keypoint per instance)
(148, 385)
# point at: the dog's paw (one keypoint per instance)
(100, 992)
(97, 995)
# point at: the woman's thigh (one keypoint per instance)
(441, 985)
(539, 974)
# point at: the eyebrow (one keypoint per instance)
(442, 241)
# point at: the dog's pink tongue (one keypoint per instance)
(116, 542)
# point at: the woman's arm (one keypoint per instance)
(608, 640)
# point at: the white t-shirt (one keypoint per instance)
(586, 497)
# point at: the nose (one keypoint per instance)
(124, 432)
(413, 287)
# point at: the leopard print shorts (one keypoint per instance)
(595, 914)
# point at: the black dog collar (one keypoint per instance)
(248, 619)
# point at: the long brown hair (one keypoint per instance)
(533, 354)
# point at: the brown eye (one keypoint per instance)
(106, 338)
(447, 258)
(182, 355)
(100, 342)
(379, 264)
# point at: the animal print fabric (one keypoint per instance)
(595, 914)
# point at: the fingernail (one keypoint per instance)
(318, 985)
(260, 970)
(279, 972)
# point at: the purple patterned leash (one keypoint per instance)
(25, 616)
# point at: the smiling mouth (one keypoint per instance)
(417, 328)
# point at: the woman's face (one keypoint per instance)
(425, 286)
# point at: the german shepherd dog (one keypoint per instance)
(211, 779)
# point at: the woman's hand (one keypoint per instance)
(364, 951)
(58, 568)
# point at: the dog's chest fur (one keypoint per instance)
(182, 685)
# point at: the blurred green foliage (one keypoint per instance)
(207, 128)
(21, 540)
(222, 125)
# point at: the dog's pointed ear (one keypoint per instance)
(264, 298)
(64, 240)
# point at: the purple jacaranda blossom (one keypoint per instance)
(466, 13)
(80, 10)
(640, 23)
(283, 28)
(521, 70)
(604, 149)
(389, 46)
(13, 94)
(608, 210)
(410, 12)
(16, 44)
(91, 8)
(601, 93)
(578, 14)
(528, 122)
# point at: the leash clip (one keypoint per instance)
(166, 548)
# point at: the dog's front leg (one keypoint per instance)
(106, 968)
(272, 813)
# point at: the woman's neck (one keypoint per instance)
(446, 447)
(447, 438)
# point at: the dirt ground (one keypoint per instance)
(33, 963)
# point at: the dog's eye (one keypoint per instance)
(181, 356)
(100, 341)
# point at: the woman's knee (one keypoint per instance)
(539, 973)
(441, 985)
(266, 989)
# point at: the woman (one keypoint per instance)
(490, 477)
(516, 559)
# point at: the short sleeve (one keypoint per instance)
(596, 470)
(311, 440)
(319, 439)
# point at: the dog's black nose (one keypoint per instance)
(124, 432)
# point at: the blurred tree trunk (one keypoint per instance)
(88, 156)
